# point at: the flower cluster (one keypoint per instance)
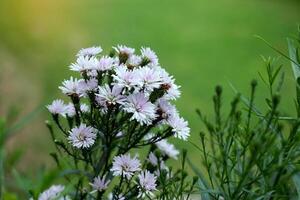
(119, 102)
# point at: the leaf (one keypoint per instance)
(201, 182)
(294, 59)
(20, 124)
(296, 180)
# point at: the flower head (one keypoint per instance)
(72, 86)
(105, 63)
(88, 86)
(165, 109)
(167, 148)
(51, 193)
(122, 49)
(82, 136)
(111, 96)
(112, 196)
(126, 166)
(179, 127)
(147, 183)
(84, 63)
(126, 78)
(150, 56)
(154, 161)
(142, 109)
(91, 51)
(150, 78)
(57, 107)
(99, 183)
(134, 61)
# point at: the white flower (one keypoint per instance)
(91, 51)
(70, 110)
(110, 96)
(99, 183)
(72, 87)
(154, 161)
(105, 63)
(149, 77)
(57, 107)
(138, 104)
(51, 193)
(165, 109)
(167, 148)
(150, 56)
(126, 166)
(84, 108)
(84, 63)
(122, 49)
(114, 197)
(179, 127)
(126, 78)
(134, 61)
(88, 85)
(147, 183)
(82, 136)
(172, 90)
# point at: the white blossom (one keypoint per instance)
(149, 77)
(147, 183)
(100, 184)
(105, 63)
(165, 109)
(82, 136)
(72, 87)
(179, 127)
(168, 83)
(91, 51)
(84, 108)
(122, 49)
(52, 193)
(154, 161)
(150, 56)
(126, 78)
(70, 110)
(115, 197)
(126, 166)
(111, 96)
(89, 85)
(134, 61)
(83, 64)
(168, 149)
(57, 107)
(142, 109)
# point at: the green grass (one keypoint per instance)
(201, 42)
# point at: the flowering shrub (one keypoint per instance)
(121, 102)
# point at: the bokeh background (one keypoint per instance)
(201, 42)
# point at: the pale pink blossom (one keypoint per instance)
(167, 149)
(100, 184)
(126, 166)
(57, 107)
(147, 183)
(83, 136)
(91, 51)
(142, 109)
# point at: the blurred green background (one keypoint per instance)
(201, 42)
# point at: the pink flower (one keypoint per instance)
(82, 136)
(147, 183)
(138, 104)
(124, 165)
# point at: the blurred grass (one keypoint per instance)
(201, 42)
